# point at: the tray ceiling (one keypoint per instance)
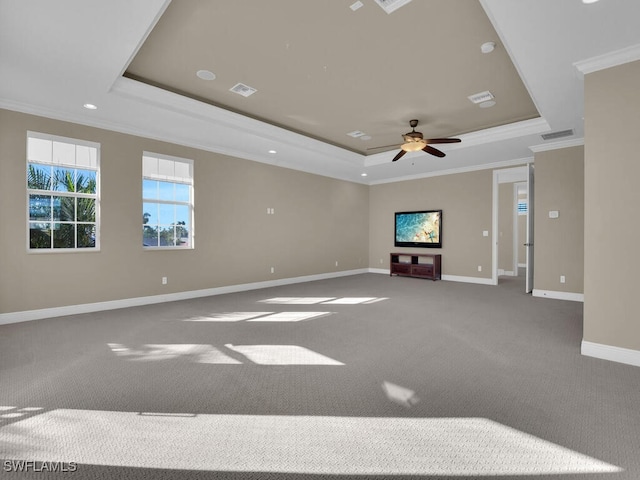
(325, 70)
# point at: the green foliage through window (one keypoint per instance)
(62, 198)
(167, 204)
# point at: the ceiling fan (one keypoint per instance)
(414, 141)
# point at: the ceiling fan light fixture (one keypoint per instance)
(413, 146)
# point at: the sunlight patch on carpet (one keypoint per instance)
(282, 355)
(290, 317)
(297, 300)
(201, 353)
(227, 317)
(319, 445)
(400, 395)
(258, 317)
(161, 352)
(324, 300)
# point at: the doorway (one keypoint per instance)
(512, 253)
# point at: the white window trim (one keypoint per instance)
(75, 141)
(189, 204)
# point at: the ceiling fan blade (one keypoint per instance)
(444, 140)
(400, 154)
(433, 151)
(383, 146)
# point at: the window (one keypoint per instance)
(523, 206)
(167, 202)
(63, 193)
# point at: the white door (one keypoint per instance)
(529, 242)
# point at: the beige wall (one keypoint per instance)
(465, 200)
(612, 196)
(506, 208)
(559, 242)
(317, 222)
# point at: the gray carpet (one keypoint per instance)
(357, 377)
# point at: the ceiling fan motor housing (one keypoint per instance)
(412, 136)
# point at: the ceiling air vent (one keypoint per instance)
(481, 97)
(390, 6)
(242, 89)
(554, 135)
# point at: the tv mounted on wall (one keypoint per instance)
(418, 229)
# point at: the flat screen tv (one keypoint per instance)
(419, 229)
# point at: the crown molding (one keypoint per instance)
(166, 100)
(523, 128)
(608, 60)
(545, 147)
(486, 166)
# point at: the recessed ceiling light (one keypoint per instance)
(206, 75)
(587, 2)
(487, 104)
(272, 151)
(90, 106)
(365, 137)
(487, 47)
(363, 174)
(356, 134)
(356, 6)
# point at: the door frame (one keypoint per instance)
(504, 175)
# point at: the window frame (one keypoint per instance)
(189, 204)
(55, 193)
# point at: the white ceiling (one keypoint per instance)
(57, 56)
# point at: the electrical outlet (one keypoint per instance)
(562, 279)
(336, 263)
(381, 261)
(273, 269)
(165, 280)
(479, 268)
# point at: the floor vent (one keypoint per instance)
(242, 89)
(554, 135)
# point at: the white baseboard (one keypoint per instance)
(448, 278)
(384, 271)
(15, 317)
(574, 297)
(608, 352)
(458, 278)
